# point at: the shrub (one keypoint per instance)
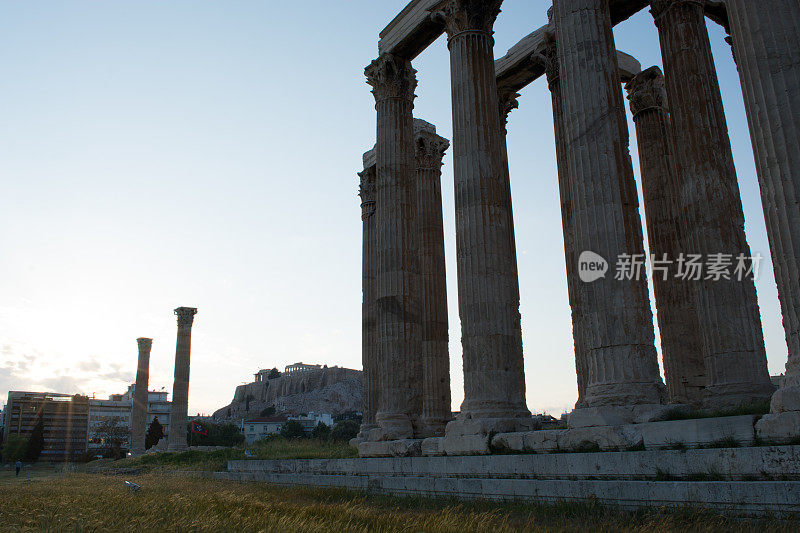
(321, 431)
(344, 430)
(293, 430)
(15, 448)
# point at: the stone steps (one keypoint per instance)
(754, 463)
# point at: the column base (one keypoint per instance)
(392, 427)
(433, 427)
(470, 436)
(779, 428)
(621, 415)
(625, 394)
(786, 399)
(733, 395)
(391, 448)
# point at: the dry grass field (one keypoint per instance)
(78, 502)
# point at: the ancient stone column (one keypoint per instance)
(681, 346)
(730, 322)
(549, 58)
(621, 355)
(488, 293)
(398, 320)
(139, 408)
(766, 43)
(180, 387)
(369, 358)
(430, 149)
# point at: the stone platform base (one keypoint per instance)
(756, 480)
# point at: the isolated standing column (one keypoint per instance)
(369, 354)
(766, 42)
(620, 342)
(730, 322)
(180, 387)
(139, 408)
(393, 82)
(681, 346)
(430, 149)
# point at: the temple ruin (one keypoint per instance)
(711, 337)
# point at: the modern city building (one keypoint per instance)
(258, 428)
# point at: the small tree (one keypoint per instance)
(15, 448)
(268, 411)
(344, 430)
(321, 431)
(35, 442)
(114, 435)
(155, 432)
(293, 430)
(274, 373)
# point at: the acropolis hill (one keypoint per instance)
(300, 389)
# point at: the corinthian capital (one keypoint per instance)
(467, 15)
(659, 7)
(391, 77)
(548, 57)
(144, 344)
(185, 316)
(646, 91)
(508, 103)
(366, 185)
(430, 149)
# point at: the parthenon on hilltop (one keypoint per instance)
(711, 335)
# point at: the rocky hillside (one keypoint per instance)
(324, 390)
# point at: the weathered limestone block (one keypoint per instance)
(178, 418)
(779, 427)
(542, 441)
(729, 319)
(433, 446)
(681, 344)
(430, 149)
(615, 416)
(488, 289)
(606, 438)
(622, 361)
(391, 448)
(699, 432)
(767, 48)
(465, 444)
(397, 270)
(139, 409)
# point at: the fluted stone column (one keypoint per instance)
(488, 290)
(550, 60)
(681, 346)
(430, 149)
(621, 355)
(398, 317)
(369, 358)
(139, 408)
(767, 48)
(728, 312)
(178, 418)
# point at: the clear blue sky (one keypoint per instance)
(204, 153)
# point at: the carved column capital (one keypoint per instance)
(461, 16)
(646, 91)
(391, 77)
(366, 190)
(430, 149)
(659, 7)
(144, 344)
(548, 58)
(508, 103)
(185, 316)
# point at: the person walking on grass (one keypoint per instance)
(18, 467)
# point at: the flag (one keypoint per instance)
(197, 428)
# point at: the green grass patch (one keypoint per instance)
(217, 460)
